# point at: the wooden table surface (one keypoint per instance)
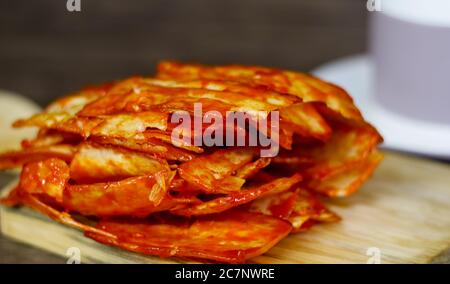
(390, 185)
(14, 252)
(46, 51)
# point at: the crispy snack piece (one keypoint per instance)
(347, 146)
(97, 163)
(166, 136)
(135, 196)
(125, 96)
(251, 169)
(73, 103)
(148, 145)
(237, 198)
(306, 87)
(286, 137)
(46, 178)
(61, 113)
(63, 121)
(139, 96)
(213, 173)
(151, 141)
(146, 94)
(18, 158)
(261, 93)
(308, 210)
(280, 205)
(46, 137)
(124, 125)
(233, 237)
(304, 119)
(127, 125)
(298, 206)
(348, 181)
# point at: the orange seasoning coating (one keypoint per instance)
(233, 237)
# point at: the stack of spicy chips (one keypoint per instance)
(108, 154)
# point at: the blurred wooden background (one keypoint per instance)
(46, 51)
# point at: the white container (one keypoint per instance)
(410, 46)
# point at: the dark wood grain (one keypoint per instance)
(46, 51)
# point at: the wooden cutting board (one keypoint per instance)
(402, 215)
